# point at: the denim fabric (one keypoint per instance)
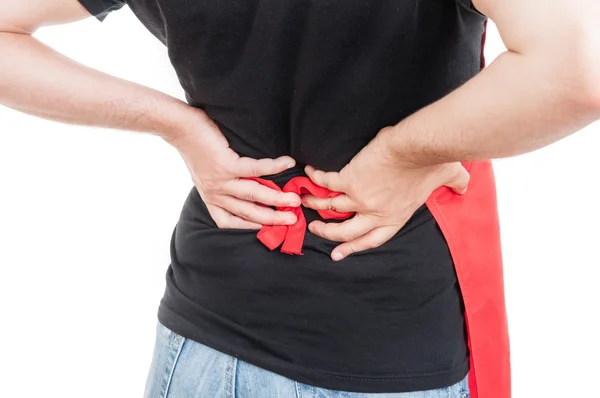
(183, 368)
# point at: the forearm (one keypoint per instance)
(516, 105)
(545, 87)
(39, 81)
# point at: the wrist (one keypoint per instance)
(181, 121)
(398, 147)
(415, 146)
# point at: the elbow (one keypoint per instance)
(591, 89)
(585, 70)
(569, 61)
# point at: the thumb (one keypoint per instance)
(459, 180)
(248, 167)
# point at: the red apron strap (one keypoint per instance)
(291, 237)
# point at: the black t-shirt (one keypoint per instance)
(316, 80)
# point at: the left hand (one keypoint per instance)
(383, 189)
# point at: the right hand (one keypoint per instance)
(217, 172)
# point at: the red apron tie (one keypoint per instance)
(292, 236)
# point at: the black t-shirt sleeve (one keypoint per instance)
(101, 8)
(469, 4)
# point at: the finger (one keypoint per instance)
(248, 167)
(252, 191)
(370, 240)
(341, 203)
(225, 219)
(255, 213)
(344, 231)
(330, 179)
(459, 180)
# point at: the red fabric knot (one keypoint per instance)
(292, 236)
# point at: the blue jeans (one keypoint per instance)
(183, 368)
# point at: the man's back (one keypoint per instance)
(523, 101)
(317, 80)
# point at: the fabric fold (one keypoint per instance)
(291, 237)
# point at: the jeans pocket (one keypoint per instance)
(167, 349)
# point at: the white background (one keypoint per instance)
(86, 215)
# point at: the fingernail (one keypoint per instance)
(290, 165)
(291, 220)
(337, 256)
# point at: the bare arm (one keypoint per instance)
(545, 87)
(39, 81)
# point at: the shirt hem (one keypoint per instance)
(99, 9)
(387, 383)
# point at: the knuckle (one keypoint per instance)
(307, 201)
(459, 174)
(318, 176)
(456, 171)
(467, 178)
(251, 197)
(373, 243)
(256, 170)
(244, 214)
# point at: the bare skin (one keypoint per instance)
(545, 87)
(39, 81)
